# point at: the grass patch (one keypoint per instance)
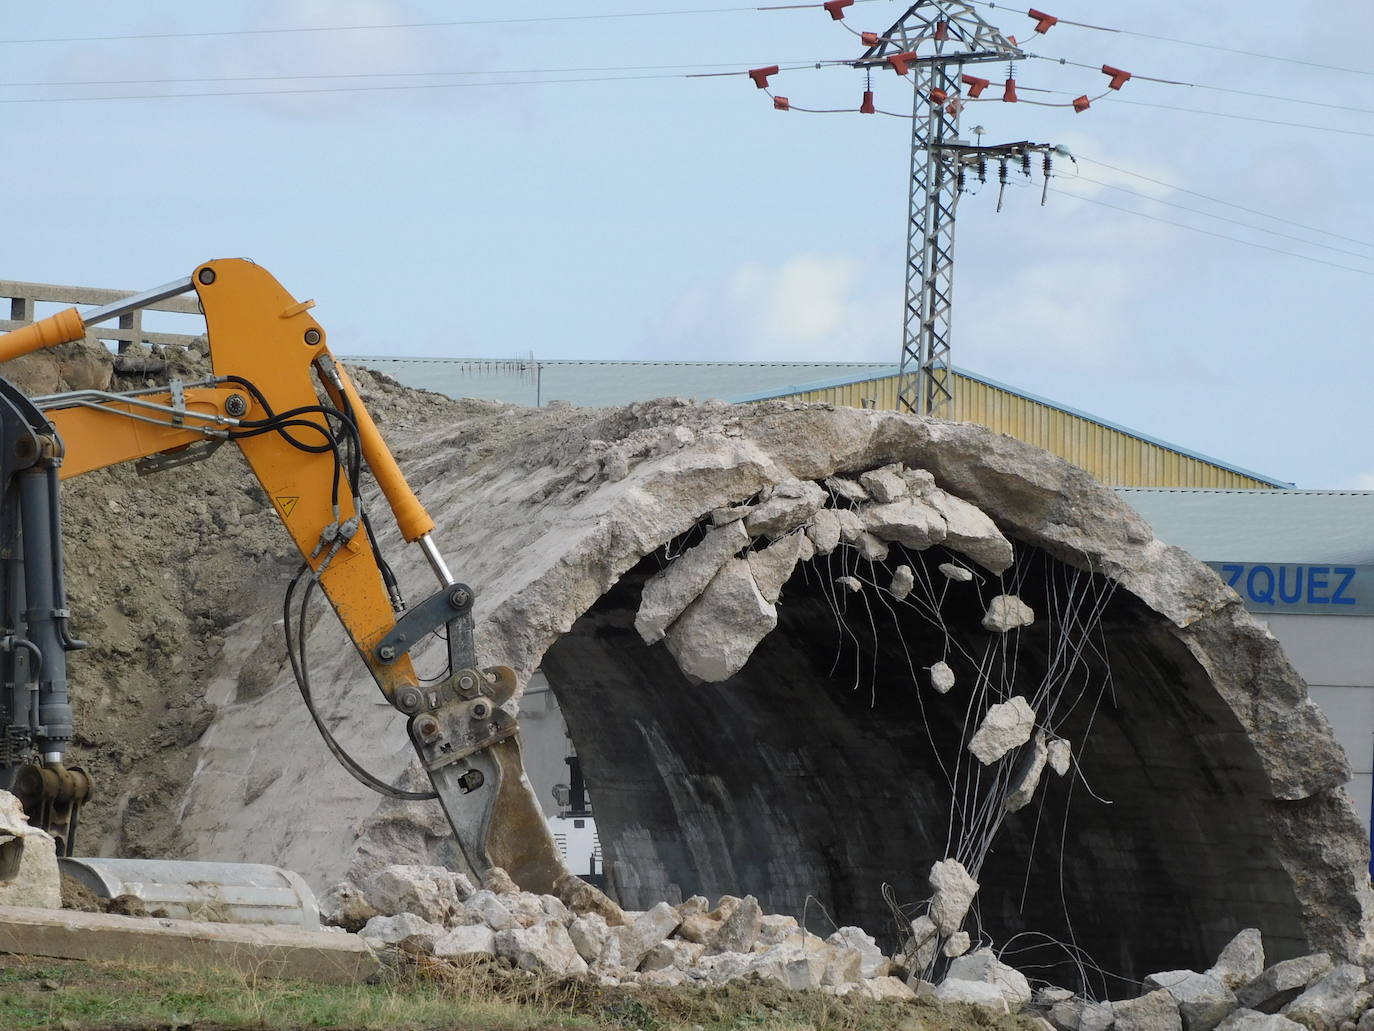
(423, 995)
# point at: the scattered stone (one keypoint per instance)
(851, 524)
(954, 891)
(405, 931)
(673, 953)
(969, 531)
(910, 522)
(543, 948)
(903, 580)
(806, 551)
(714, 638)
(583, 898)
(773, 566)
(1203, 1001)
(648, 930)
(740, 929)
(984, 965)
(499, 881)
(485, 908)
(1060, 755)
(1333, 998)
(918, 480)
(1154, 1011)
(344, 905)
(850, 584)
(1242, 960)
(792, 965)
(554, 909)
(1251, 1020)
(1007, 612)
(871, 548)
(985, 997)
(792, 504)
(668, 977)
(1007, 725)
(1027, 776)
(924, 943)
(668, 593)
(824, 531)
(724, 516)
(697, 926)
(957, 944)
(1283, 982)
(589, 934)
(846, 488)
(725, 966)
(879, 989)
(468, 940)
(1081, 1015)
(956, 573)
(941, 677)
(29, 874)
(427, 891)
(779, 927)
(873, 962)
(885, 484)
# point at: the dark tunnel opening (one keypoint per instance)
(826, 768)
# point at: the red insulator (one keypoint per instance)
(867, 108)
(1118, 77)
(781, 104)
(1009, 92)
(1082, 104)
(938, 95)
(869, 39)
(941, 31)
(975, 85)
(836, 8)
(1043, 22)
(760, 75)
(955, 106)
(899, 62)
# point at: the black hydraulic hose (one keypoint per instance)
(300, 669)
(59, 577)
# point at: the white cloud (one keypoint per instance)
(811, 307)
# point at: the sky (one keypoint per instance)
(504, 211)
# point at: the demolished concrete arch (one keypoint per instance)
(550, 518)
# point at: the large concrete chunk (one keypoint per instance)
(1154, 1011)
(1027, 776)
(983, 965)
(648, 930)
(543, 948)
(332, 957)
(903, 580)
(714, 638)
(954, 891)
(1007, 612)
(668, 593)
(425, 891)
(985, 997)
(740, 929)
(1203, 1001)
(910, 522)
(969, 531)
(469, 940)
(1331, 999)
(792, 504)
(773, 566)
(404, 930)
(884, 485)
(29, 873)
(1252, 1020)
(1283, 982)
(1243, 958)
(824, 531)
(1007, 725)
(873, 962)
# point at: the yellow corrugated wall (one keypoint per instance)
(1114, 457)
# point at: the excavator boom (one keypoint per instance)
(278, 393)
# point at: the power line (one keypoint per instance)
(1219, 218)
(1244, 118)
(1208, 232)
(1187, 42)
(395, 25)
(1227, 203)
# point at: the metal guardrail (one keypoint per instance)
(24, 297)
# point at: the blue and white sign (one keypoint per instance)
(1310, 590)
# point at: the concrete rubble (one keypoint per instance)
(28, 860)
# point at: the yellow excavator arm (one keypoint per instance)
(280, 395)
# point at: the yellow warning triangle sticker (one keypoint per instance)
(287, 504)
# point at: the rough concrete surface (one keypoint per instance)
(811, 769)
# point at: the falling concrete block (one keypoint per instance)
(714, 638)
(871, 547)
(909, 521)
(1007, 725)
(969, 531)
(824, 531)
(793, 503)
(924, 943)
(1060, 755)
(957, 944)
(667, 593)
(773, 566)
(941, 677)
(1027, 777)
(1241, 961)
(956, 573)
(1007, 612)
(851, 524)
(850, 584)
(954, 891)
(903, 580)
(885, 484)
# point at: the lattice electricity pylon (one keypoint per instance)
(957, 36)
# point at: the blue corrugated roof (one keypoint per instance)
(1300, 527)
